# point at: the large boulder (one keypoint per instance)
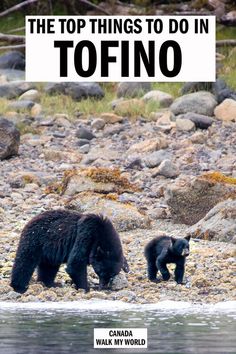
(9, 139)
(124, 216)
(77, 90)
(219, 224)
(133, 89)
(201, 102)
(190, 200)
(226, 111)
(14, 89)
(12, 60)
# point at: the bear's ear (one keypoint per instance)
(173, 240)
(188, 237)
(125, 266)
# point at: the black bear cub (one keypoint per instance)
(61, 236)
(163, 250)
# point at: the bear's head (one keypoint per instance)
(180, 247)
(107, 265)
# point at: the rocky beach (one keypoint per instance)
(170, 170)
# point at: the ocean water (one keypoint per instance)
(173, 327)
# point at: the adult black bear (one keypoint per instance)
(163, 250)
(61, 236)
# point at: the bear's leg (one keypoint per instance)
(179, 271)
(161, 266)
(47, 273)
(22, 272)
(78, 273)
(152, 270)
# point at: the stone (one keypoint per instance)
(198, 138)
(185, 125)
(124, 216)
(163, 98)
(12, 60)
(222, 91)
(201, 121)
(30, 95)
(190, 200)
(111, 118)
(167, 169)
(58, 155)
(84, 149)
(155, 158)
(149, 145)
(62, 120)
(77, 90)
(119, 282)
(98, 123)
(9, 139)
(12, 75)
(12, 90)
(99, 180)
(226, 111)
(132, 107)
(36, 110)
(84, 133)
(81, 142)
(21, 105)
(190, 87)
(132, 89)
(229, 19)
(219, 224)
(201, 102)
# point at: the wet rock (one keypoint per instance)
(226, 111)
(124, 216)
(14, 89)
(167, 169)
(185, 125)
(190, 200)
(77, 90)
(12, 60)
(132, 89)
(201, 121)
(9, 139)
(164, 99)
(149, 145)
(119, 282)
(219, 224)
(201, 102)
(84, 133)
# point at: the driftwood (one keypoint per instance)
(17, 7)
(10, 38)
(226, 43)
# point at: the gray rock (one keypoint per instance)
(14, 89)
(119, 282)
(12, 60)
(84, 133)
(84, 149)
(9, 139)
(21, 105)
(155, 158)
(81, 142)
(201, 102)
(201, 121)
(219, 224)
(184, 124)
(12, 74)
(98, 124)
(163, 98)
(167, 169)
(190, 87)
(77, 90)
(133, 89)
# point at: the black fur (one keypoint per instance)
(163, 250)
(61, 236)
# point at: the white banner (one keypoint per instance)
(120, 48)
(120, 338)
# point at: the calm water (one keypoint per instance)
(69, 328)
